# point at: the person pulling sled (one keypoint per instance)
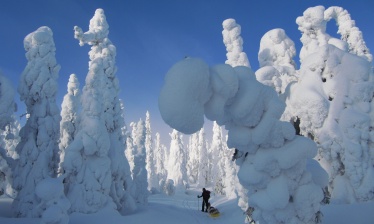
(205, 195)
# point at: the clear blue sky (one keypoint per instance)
(151, 36)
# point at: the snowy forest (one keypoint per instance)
(286, 141)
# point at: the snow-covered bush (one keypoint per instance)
(167, 187)
(54, 204)
(272, 159)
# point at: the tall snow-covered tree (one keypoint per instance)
(203, 178)
(87, 163)
(177, 162)
(193, 158)
(160, 156)
(218, 174)
(234, 44)
(69, 116)
(332, 101)
(277, 67)
(271, 157)
(38, 149)
(139, 171)
(150, 155)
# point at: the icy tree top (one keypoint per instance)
(348, 31)
(97, 32)
(276, 48)
(38, 80)
(234, 44)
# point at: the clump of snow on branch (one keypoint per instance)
(234, 44)
(187, 105)
(272, 159)
(38, 149)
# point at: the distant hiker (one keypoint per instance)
(206, 196)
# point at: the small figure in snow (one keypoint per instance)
(206, 196)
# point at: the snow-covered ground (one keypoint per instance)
(184, 208)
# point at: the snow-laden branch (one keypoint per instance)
(349, 31)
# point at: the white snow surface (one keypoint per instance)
(183, 208)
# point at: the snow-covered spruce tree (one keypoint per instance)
(160, 159)
(203, 178)
(150, 156)
(139, 171)
(130, 147)
(7, 108)
(122, 190)
(177, 162)
(332, 101)
(277, 67)
(218, 174)
(38, 149)
(193, 158)
(271, 157)
(234, 44)
(69, 117)
(87, 163)
(9, 139)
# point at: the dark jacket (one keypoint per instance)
(205, 194)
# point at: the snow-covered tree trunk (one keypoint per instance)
(38, 149)
(177, 162)
(70, 108)
(139, 171)
(150, 155)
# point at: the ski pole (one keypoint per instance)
(198, 203)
